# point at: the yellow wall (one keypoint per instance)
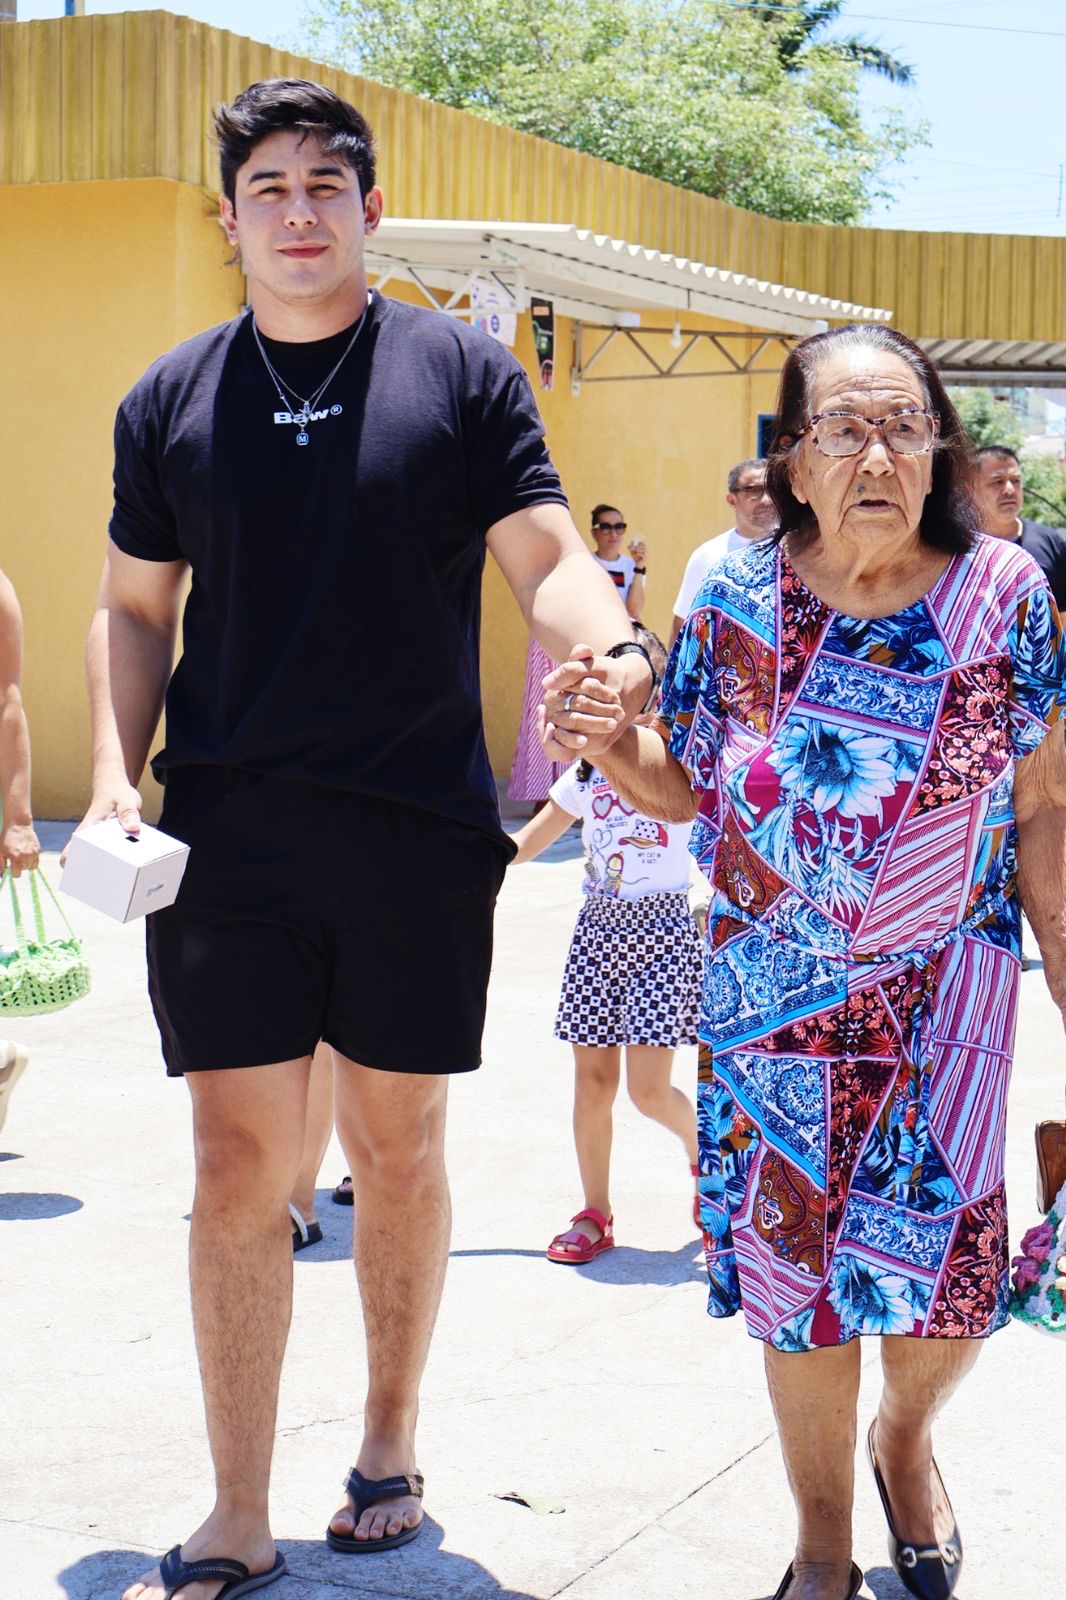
(99, 279)
(130, 95)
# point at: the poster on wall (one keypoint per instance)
(543, 315)
(493, 311)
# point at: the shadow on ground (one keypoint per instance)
(16, 1207)
(884, 1585)
(315, 1573)
(620, 1265)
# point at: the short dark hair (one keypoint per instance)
(597, 511)
(995, 452)
(278, 104)
(948, 520)
(733, 480)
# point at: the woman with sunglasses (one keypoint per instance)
(866, 713)
(629, 571)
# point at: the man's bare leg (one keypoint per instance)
(318, 1130)
(248, 1134)
(391, 1126)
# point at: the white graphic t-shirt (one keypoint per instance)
(627, 855)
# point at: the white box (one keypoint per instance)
(125, 875)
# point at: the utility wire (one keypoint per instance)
(910, 22)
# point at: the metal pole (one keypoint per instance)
(8, 10)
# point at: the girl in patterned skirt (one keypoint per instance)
(632, 977)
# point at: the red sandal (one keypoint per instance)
(585, 1249)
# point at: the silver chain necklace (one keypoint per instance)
(306, 412)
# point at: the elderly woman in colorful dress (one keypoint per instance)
(864, 716)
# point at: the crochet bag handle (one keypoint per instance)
(35, 878)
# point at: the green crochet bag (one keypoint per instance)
(40, 974)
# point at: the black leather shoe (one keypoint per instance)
(855, 1583)
(929, 1571)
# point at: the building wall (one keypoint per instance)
(121, 271)
(99, 279)
(130, 96)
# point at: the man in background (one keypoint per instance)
(998, 490)
(755, 518)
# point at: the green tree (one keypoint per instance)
(986, 419)
(812, 17)
(699, 93)
(1044, 478)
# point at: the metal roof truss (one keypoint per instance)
(719, 355)
(447, 288)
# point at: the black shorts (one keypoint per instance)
(308, 913)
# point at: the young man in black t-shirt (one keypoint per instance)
(332, 469)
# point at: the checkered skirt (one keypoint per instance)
(633, 974)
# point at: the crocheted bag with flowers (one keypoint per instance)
(1039, 1277)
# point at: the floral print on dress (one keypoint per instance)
(859, 996)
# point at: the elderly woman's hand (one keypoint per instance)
(19, 848)
(582, 712)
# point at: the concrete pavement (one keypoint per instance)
(604, 1391)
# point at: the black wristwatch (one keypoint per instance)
(640, 572)
(630, 646)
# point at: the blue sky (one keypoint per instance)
(991, 80)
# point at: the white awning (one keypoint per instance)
(590, 275)
(985, 361)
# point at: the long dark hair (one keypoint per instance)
(948, 519)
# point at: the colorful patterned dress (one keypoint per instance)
(858, 1012)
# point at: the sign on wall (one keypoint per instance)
(543, 315)
(493, 311)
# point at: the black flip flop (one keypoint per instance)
(176, 1573)
(367, 1492)
(303, 1233)
(343, 1196)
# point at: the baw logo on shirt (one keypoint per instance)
(302, 418)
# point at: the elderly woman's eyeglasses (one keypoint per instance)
(906, 433)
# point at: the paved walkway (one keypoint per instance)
(604, 1392)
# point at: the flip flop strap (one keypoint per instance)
(176, 1573)
(368, 1491)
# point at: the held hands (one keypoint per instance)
(19, 848)
(639, 551)
(583, 711)
(118, 799)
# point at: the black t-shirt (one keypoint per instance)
(1047, 546)
(331, 632)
